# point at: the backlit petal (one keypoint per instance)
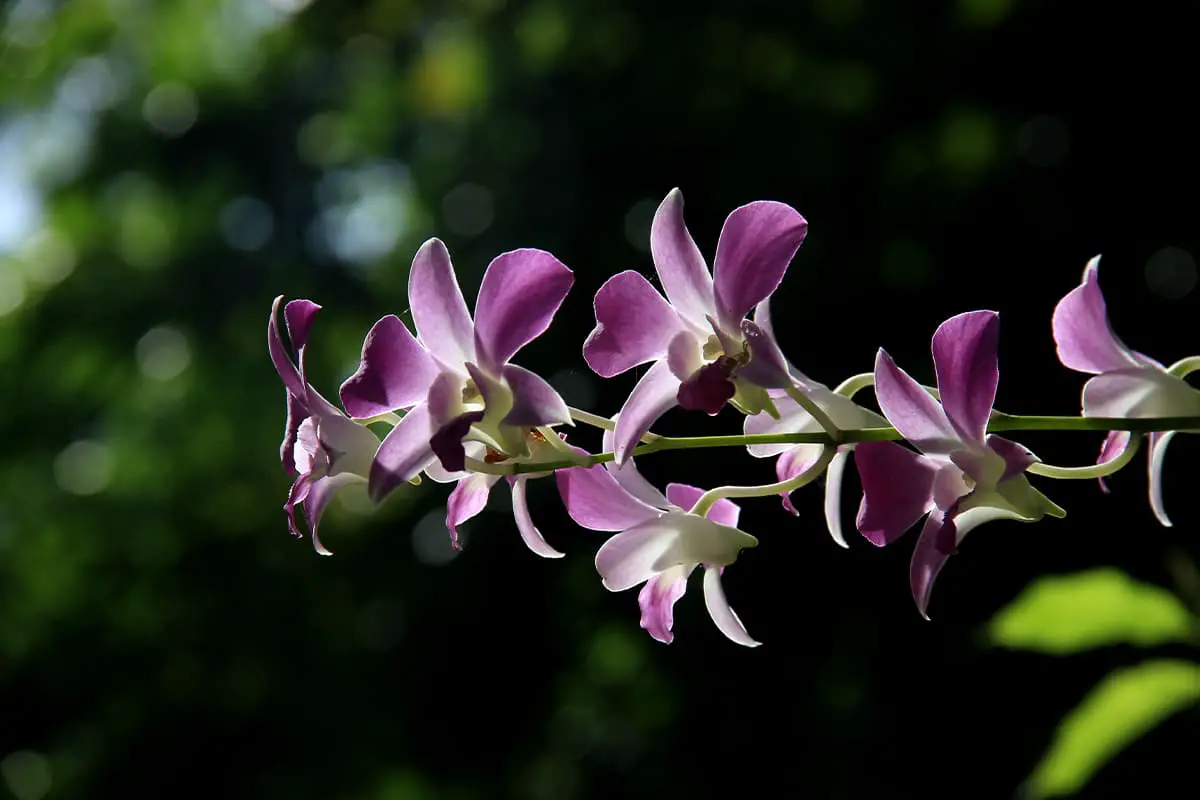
(529, 533)
(911, 410)
(680, 266)
(1085, 339)
(439, 311)
(724, 511)
(1158, 452)
(897, 489)
(965, 356)
(718, 608)
(757, 243)
(653, 395)
(405, 451)
(394, 372)
(634, 324)
(519, 295)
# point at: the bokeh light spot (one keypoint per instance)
(468, 209)
(246, 223)
(170, 108)
(84, 467)
(1171, 273)
(12, 291)
(47, 258)
(27, 774)
(431, 540)
(163, 354)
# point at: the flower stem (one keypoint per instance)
(710, 498)
(816, 412)
(999, 423)
(1184, 367)
(855, 384)
(604, 423)
(1101, 470)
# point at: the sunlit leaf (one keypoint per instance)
(1120, 710)
(1065, 614)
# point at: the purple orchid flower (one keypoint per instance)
(324, 449)
(659, 543)
(454, 378)
(795, 459)
(962, 477)
(1126, 384)
(705, 352)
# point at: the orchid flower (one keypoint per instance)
(962, 477)
(659, 543)
(454, 378)
(1126, 384)
(324, 449)
(704, 350)
(796, 458)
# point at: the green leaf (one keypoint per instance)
(1120, 710)
(1066, 614)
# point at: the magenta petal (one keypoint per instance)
(680, 266)
(709, 388)
(529, 533)
(649, 400)
(1158, 452)
(404, 452)
(911, 409)
(657, 602)
(595, 500)
(965, 356)
(1085, 339)
(296, 414)
(724, 511)
(395, 372)
(631, 480)
(634, 324)
(1114, 444)
(299, 315)
(791, 463)
(469, 497)
(447, 441)
(756, 245)
(437, 305)
(929, 556)
(897, 490)
(520, 292)
(767, 366)
(535, 402)
(1017, 457)
(288, 373)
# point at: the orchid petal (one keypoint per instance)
(351, 446)
(439, 311)
(897, 489)
(519, 295)
(767, 367)
(529, 533)
(708, 388)
(1111, 448)
(1085, 339)
(718, 608)
(724, 511)
(284, 365)
(1158, 452)
(395, 372)
(844, 412)
(965, 359)
(595, 500)
(296, 414)
(757, 243)
(631, 480)
(405, 451)
(680, 266)
(657, 602)
(447, 441)
(653, 395)
(930, 553)
(634, 324)
(469, 498)
(672, 540)
(319, 495)
(911, 410)
(534, 401)
(833, 495)
(299, 315)
(1017, 457)
(793, 462)
(1139, 392)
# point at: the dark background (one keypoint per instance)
(162, 635)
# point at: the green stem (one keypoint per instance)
(855, 384)
(1184, 367)
(604, 423)
(998, 424)
(1100, 470)
(710, 498)
(816, 412)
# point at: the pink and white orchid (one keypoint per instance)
(705, 352)
(1126, 384)
(962, 477)
(659, 543)
(454, 378)
(324, 449)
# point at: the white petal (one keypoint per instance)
(529, 532)
(674, 539)
(833, 495)
(718, 608)
(1139, 392)
(1158, 452)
